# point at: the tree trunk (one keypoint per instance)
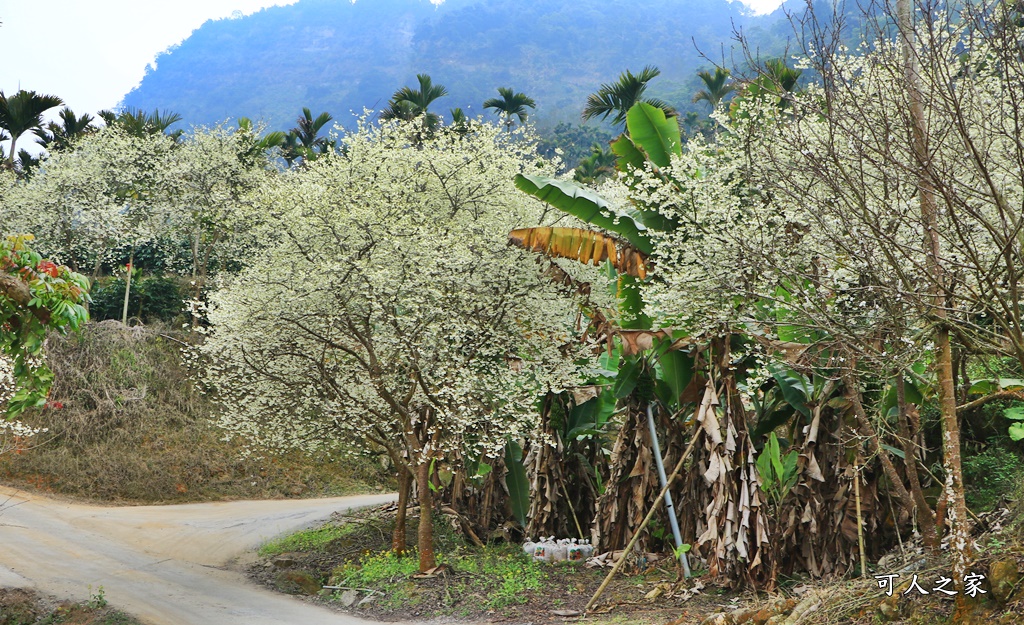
(956, 512)
(10, 157)
(956, 509)
(874, 442)
(404, 486)
(425, 535)
(925, 516)
(127, 287)
(197, 290)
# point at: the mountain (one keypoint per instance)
(339, 56)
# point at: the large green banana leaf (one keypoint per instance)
(653, 138)
(676, 371)
(515, 479)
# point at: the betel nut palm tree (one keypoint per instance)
(620, 96)
(304, 140)
(715, 87)
(60, 136)
(139, 123)
(22, 113)
(408, 103)
(511, 105)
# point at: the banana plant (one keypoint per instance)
(1015, 414)
(582, 433)
(652, 139)
(515, 480)
(564, 479)
(639, 375)
(584, 246)
(778, 471)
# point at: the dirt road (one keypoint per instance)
(167, 565)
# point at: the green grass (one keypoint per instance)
(378, 570)
(357, 554)
(313, 539)
(383, 571)
(512, 574)
(505, 575)
(519, 577)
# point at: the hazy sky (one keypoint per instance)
(92, 52)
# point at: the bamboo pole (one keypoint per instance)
(860, 518)
(128, 286)
(572, 509)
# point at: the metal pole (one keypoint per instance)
(668, 496)
(643, 524)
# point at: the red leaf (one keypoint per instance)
(48, 267)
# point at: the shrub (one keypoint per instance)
(994, 473)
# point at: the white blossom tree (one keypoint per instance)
(84, 202)
(114, 189)
(881, 207)
(210, 180)
(389, 313)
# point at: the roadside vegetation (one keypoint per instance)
(125, 421)
(25, 607)
(347, 564)
(495, 582)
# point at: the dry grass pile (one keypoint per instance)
(126, 421)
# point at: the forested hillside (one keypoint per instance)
(340, 56)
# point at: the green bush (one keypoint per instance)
(990, 475)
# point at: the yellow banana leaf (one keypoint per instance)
(585, 246)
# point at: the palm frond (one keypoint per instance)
(600, 104)
(715, 85)
(428, 91)
(399, 109)
(620, 96)
(418, 100)
(511, 104)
